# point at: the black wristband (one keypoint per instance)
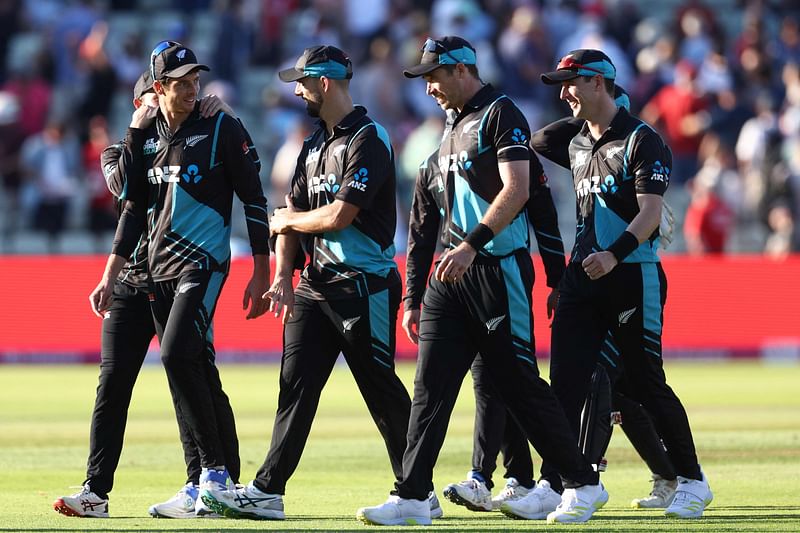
(624, 245)
(479, 236)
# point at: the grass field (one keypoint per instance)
(745, 416)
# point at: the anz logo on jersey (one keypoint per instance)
(323, 184)
(454, 162)
(586, 186)
(360, 179)
(165, 174)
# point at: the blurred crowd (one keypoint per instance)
(720, 79)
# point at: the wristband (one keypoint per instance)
(479, 236)
(624, 245)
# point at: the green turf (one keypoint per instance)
(746, 420)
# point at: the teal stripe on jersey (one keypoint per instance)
(213, 289)
(519, 307)
(200, 224)
(213, 163)
(608, 226)
(651, 291)
(379, 317)
(469, 209)
(359, 252)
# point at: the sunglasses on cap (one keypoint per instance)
(435, 47)
(160, 47)
(570, 64)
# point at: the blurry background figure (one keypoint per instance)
(675, 110)
(102, 208)
(709, 220)
(50, 167)
(11, 139)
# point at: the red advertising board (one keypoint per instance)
(721, 306)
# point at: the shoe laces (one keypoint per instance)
(568, 499)
(85, 490)
(661, 488)
(510, 490)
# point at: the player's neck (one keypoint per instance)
(602, 117)
(336, 109)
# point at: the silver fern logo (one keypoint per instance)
(348, 323)
(626, 315)
(492, 323)
(193, 140)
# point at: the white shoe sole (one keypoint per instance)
(230, 512)
(404, 521)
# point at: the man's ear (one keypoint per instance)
(158, 87)
(324, 83)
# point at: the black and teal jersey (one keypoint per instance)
(180, 189)
(355, 164)
(630, 158)
(428, 212)
(489, 130)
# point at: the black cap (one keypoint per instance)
(173, 60)
(449, 50)
(578, 63)
(318, 61)
(143, 85)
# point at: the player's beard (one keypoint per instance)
(313, 106)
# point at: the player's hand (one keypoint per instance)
(253, 296)
(599, 264)
(552, 302)
(281, 297)
(667, 225)
(143, 116)
(279, 221)
(211, 104)
(454, 263)
(411, 324)
(100, 297)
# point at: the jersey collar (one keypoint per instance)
(348, 122)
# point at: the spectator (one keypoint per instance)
(102, 212)
(676, 110)
(50, 164)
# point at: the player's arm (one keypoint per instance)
(543, 216)
(423, 229)
(509, 132)
(552, 141)
(243, 175)
(332, 217)
(287, 246)
(113, 170)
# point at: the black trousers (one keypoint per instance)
(487, 312)
(127, 331)
(363, 329)
(183, 309)
(495, 431)
(618, 316)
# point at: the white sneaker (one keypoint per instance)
(471, 493)
(691, 498)
(578, 505)
(436, 508)
(511, 492)
(660, 497)
(244, 502)
(84, 504)
(535, 505)
(182, 505)
(397, 511)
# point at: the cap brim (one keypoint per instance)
(183, 70)
(420, 70)
(291, 74)
(553, 78)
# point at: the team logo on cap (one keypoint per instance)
(180, 55)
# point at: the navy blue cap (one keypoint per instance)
(449, 50)
(319, 61)
(584, 62)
